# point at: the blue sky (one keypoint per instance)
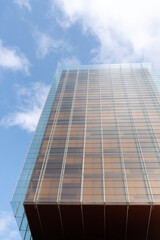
(37, 36)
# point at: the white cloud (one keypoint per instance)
(23, 3)
(47, 44)
(126, 30)
(12, 58)
(31, 101)
(8, 228)
(70, 61)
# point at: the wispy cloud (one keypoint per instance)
(27, 113)
(47, 44)
(126, 30)
(8, 228)
(23, 3)
(69, 61)
(13, 58)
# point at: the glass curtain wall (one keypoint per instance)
(100, 141)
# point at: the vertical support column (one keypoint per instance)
(66, 145)
(147, 118)
(84, 143)
(41, 176)
(149, 219)
(139, 150)
(104, 192)
(83, 162)
(121, 153)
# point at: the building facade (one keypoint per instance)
(93, 168)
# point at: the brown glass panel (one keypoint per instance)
(34, 223)
(138, 217)
(115, 222)
(72, 221)
(93, 216)
(154, 232)
(50, 219)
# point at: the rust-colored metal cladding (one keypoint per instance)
(93, 168)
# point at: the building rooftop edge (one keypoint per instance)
(106, 66)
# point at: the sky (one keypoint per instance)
(37, 36)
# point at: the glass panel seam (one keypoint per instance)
(139, 150)
(66, 144)
(148, 119)
(104, 194)
(35, 139)
(149, 220)
(126, 222)
(84, 143)
(121, 152)
(41, 226)
(44, 107)
(41, 176)
(152, 134)
(60, 216)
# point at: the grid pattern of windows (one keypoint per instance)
(100, 142)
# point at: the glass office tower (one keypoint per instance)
(93, 167)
